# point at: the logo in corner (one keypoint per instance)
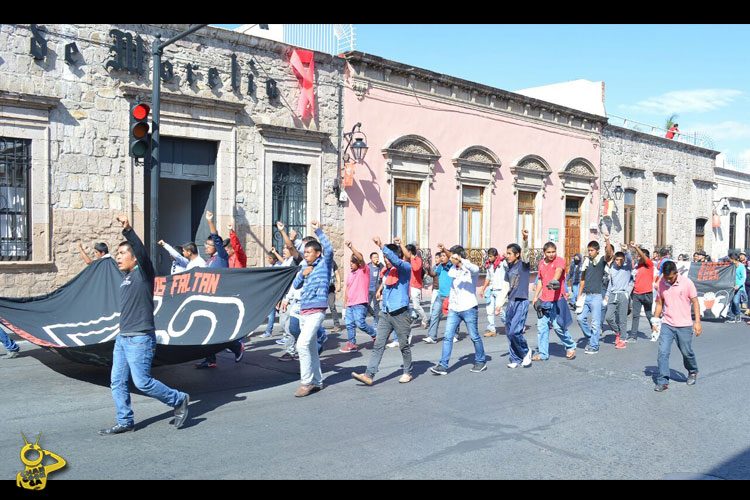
(34, 473)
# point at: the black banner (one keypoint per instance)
(714, 282)
(197, 312)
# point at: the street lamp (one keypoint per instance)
(617, 192)
(359, 148)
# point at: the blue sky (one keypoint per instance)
(699, 72)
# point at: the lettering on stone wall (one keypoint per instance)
(213, 77)
(167, 71)
(71, 54)
(272, 90)
(38, 44)
(126, 52)
(189, 67)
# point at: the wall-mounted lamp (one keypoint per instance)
(724, 206)
(617, 192)
(358, 146)
(356, 142)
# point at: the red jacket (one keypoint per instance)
(239, 259)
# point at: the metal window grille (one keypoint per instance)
(15, 193)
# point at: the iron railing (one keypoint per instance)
(15, 194)
(695, 138)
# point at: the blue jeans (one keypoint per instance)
(491, 299)
(470, 317)
(574, 292)
(543, 325)
(271, 320)
(515, 322)
(356, 318)
(684, 337)
(373, 307)
(592, 308)
(8, 343)
(739, 297)
(436, 314)
(132, 356)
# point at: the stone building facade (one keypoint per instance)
(668, 190)
(227, 143)
(733, 192)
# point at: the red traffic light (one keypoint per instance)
(140, 111)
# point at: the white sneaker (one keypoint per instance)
(526, 359)
(455, 339)
(429, 340)
(512, 365)
(392, 344)
(654, 337)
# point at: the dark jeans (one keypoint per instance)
(640, 299)
(332, 308)
(373, 307)
(401, 324)
(684, 337)
(235, 347)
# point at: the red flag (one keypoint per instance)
(349, 174)
(303, 65)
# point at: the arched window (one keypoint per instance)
(661, 220)
(629, 215)
(732, 230)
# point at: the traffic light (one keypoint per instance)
(139, 128)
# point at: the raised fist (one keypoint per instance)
(209, 215)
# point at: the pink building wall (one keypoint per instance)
(387, 115)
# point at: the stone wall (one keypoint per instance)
(91, 176)
(651, 165)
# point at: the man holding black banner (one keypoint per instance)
(675, 296)
(135, 345)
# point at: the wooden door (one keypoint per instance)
(572, 227)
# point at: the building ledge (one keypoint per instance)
(26, 265)
(21, 100)
(269, 130)
(185, 99)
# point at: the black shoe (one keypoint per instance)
(117, 429)
(661, 387)
(181, 412)
(692, 377)
(288, 357)
(439, 370)
(478, 367)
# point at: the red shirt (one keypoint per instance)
(416, 272)
(547, 274)
(239, 259)
(644, 277)
(671, 132)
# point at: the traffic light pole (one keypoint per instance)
(156, 52)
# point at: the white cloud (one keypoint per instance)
(686, 101)
(729, 130)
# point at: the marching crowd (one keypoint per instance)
(600, 287)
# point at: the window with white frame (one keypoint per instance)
(471, 216)
(406, 210)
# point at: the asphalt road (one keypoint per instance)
(596, 417)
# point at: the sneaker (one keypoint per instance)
(181, 411)
(362, 377)
(478, 367)
(620, 344)
(117, 429)
(455, 339)
(526, 359)
(405, 378)
(392, 344)
(590, 350)
(280, 341)
(512, 365)
(266, 335)
(692, 377)
(570, 355)
(289, 357)
(205, 364)
(429, 340)
(661, 387)
(305, 390)
(439, 370)
(631, 339)
(349, 347)
(11, 355)
(537, 357)
(424, 324)
(654, 337)
(238, 357)
(490, 333)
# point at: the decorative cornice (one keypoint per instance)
(478, 95)
(662, 173)
(661, 141)
(28, 101)
(185, 99)
(268, 130)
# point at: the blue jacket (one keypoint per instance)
(221, 257)
(396, 296)
(315, 289)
